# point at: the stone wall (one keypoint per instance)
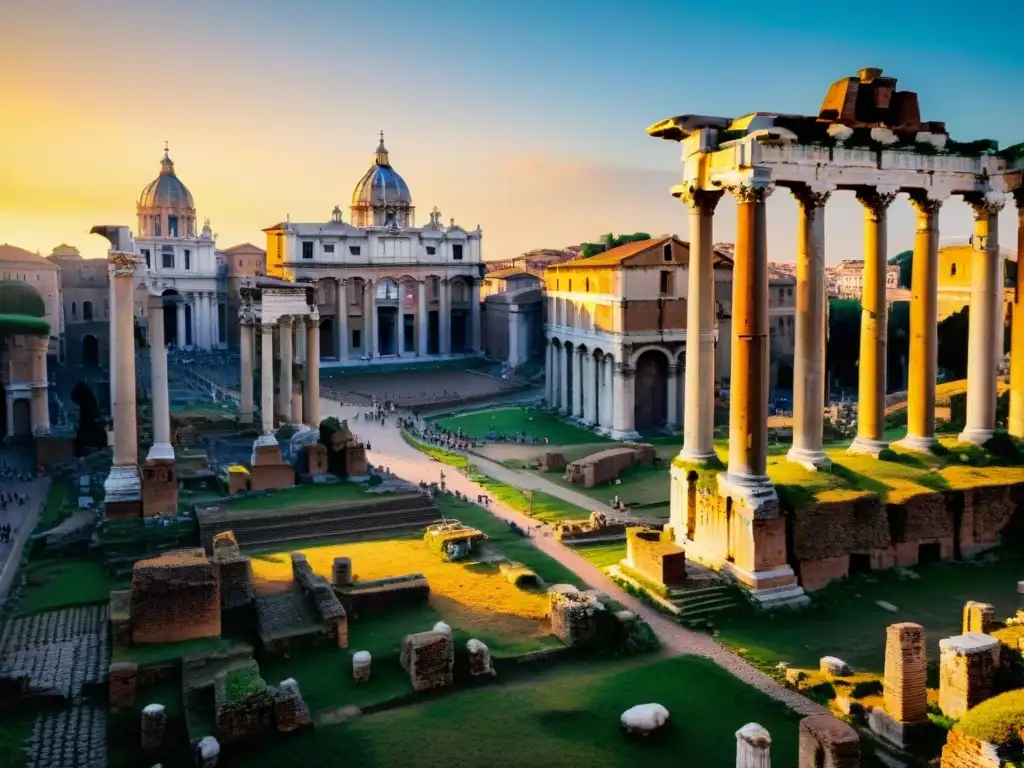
(827, 742)
(175, 597)
(963, 751)
(655, 556)
(429, 658)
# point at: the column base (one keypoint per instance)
(811, 460)
(754, 490)
(917, 444)
(867, 446)
(697, 456)
(975, 435)
(122, 484)
(160, 452)
(624, 434)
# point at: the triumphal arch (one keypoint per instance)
(868, 138)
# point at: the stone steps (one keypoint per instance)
(699, 604)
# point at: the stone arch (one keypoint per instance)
(326, 292)
(327, 340)
(21, 417)
(669, 360)
(87, 311)
(386, 289)
(650, 395)
(90, 351)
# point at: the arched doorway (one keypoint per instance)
(90, 351)
(650, 396)
(327, 343)
(387, 317)
(170, 319)
(21, 418)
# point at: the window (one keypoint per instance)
(435, 287)
(666, 282)
(570, 283)
(328, 249)
(156, 226)
(168, 257)
(586, 285)
(188, 259)
(357, 338)
(457, 252)
(74, 310)
(172, 226)
(431, 250)
(87, 310)
(667, 252)
(952, 271)
(145, 254)
(307, 249)
(353, 250)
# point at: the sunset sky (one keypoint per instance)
(527, 118)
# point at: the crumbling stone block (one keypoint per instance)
(963, 751)
(978, 617)
(967, 669)
(207, 752)
(225, 544)
(175, 597)
(479, 659)
(121, 617)
(341, 571)
(753, 747)
(122, 679)
(654, 556)
(361, 666)
(235, 575)
(290, 711)
(154, 725)
(833, 667)
(605, 466)
(429, 658)
(574, 614)
(552, 461)
(827, 742)
(905, 685)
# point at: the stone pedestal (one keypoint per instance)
(341, 572)
(968, 665)
(269, 470)
(753, 747)
(154, 725)
(978, 617)
(826, 742)
(906, 693)
(159, 489)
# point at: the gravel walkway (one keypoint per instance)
(391, 451)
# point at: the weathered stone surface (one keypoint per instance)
(753, 747)
(574, 614)
(968, 666)
(341, 571)
(479, 659)
(290, 711)
(429, 658)
(906, 694)
(154, 725)
(122, 679)
(830, 665)
(361, 662)
(978, 617)
(827, 742)
(644, 719)
(962, 751)
(655, 556)
(175, 597)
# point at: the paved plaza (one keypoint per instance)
(415, 388)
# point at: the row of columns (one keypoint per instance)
(371, 339)
(750, 330)
(309, 403)
(205, 324)
(599, 391)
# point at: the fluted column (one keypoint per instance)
(699, 409)
(924, 329)
(444, 318)
(874, 318)
(475, 315)
(564, 369)
(549, 373)
(672, 396)
(748, 396)
(311, 395)
(622, 414)
(246, 341)
(809, 352)
(267, 383)
(422, 324)
(370, 319)
(590, 388)
(112, 347)
(123, 483)
(287, 362)
(1016, 420)
(986, 316)
(161, 410)
(181, 322)
(341, 319)
(753, 747)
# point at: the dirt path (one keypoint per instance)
(390, 450)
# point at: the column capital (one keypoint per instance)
(702, 200)
(267, 327)
(811, 197)
(313, 318)
(751, 192)
(985, 203)
(926, 203)
(876, 200)
(121, 263)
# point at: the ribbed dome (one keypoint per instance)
(381, 185)
(166, 191)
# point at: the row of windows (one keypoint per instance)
(355, 250)
(387, 290)
(23, 278)
(167, 260)
(87, 310)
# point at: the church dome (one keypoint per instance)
(166, 191)
(381, 185)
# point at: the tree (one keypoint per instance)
(608, 241)
(905, 261)
(843, 346)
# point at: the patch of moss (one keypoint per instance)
(999, 721)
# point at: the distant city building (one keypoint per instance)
(536, 260)
(513, 315)
(180, 260)
(846, 279)
(85, 298)
(386, 289)
(236, 266)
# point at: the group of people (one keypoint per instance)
(5, 533)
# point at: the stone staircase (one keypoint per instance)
(700, 604)
(391, 515)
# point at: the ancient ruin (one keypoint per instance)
(827, 742)
(604, 466)
(653, 556)
(905, 684)
(175, 597)
(429, 658)
(575, 615)
(967, 671)
(978, 617)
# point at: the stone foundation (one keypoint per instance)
(826, 742)
(968, 666)
(175, 597)
(962, 751)
(978, 617)
(429, 658)
(159, 489)
(574, 618)
(654, 555)
(905, 684)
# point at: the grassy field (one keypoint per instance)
(602, 555)
(155, 653)
(58, 583)
(566, 715)
(515, 420)
(303, 494)
(845, 619)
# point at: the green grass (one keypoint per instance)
(602, 555)
(53, 511)
(567, 715)
(303, 494)
(845, 620)
(511, 421)
(508, 542)
(15, 730)
(640, 484)
(157, 653)
(58, 583)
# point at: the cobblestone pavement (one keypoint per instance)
(60, 652)
(389, 449)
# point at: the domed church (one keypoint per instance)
(181, 260)
(387, 290)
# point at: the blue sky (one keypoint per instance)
(527, 118)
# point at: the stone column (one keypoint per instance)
(267, 383)
(874, 318)
(181, 321)
(622, 415)
(924, 329)
(422, 323)
(986, 317)
(564, 367)
(444, 319)
(38, 346)
(577, 383)
(161, 449)
(747, 476)
(112, 345)
(809, 352)
(123, 483)
(370, 319)
(699, 409)
(246, 342)
(204, 320)
(549, 373)
(1015, 424)
(753, 747)
(287, 361)
(967, 669)
(513, 337)
(341, 319)
(311, 396)
(608, 408)
(589, 389)
(905, 684)
(474, 314)
(672, 393)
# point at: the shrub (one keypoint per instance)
(998, 721)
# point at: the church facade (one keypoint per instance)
(386, 289)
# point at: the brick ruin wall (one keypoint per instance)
(429, 658)
(661, 561)
(825, 535)
(175, 597)
(963, 751)
(235, 582)
(604, 466)
(827, 742)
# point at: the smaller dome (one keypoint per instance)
(18, 298)
(381, 185)
(166, 191)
